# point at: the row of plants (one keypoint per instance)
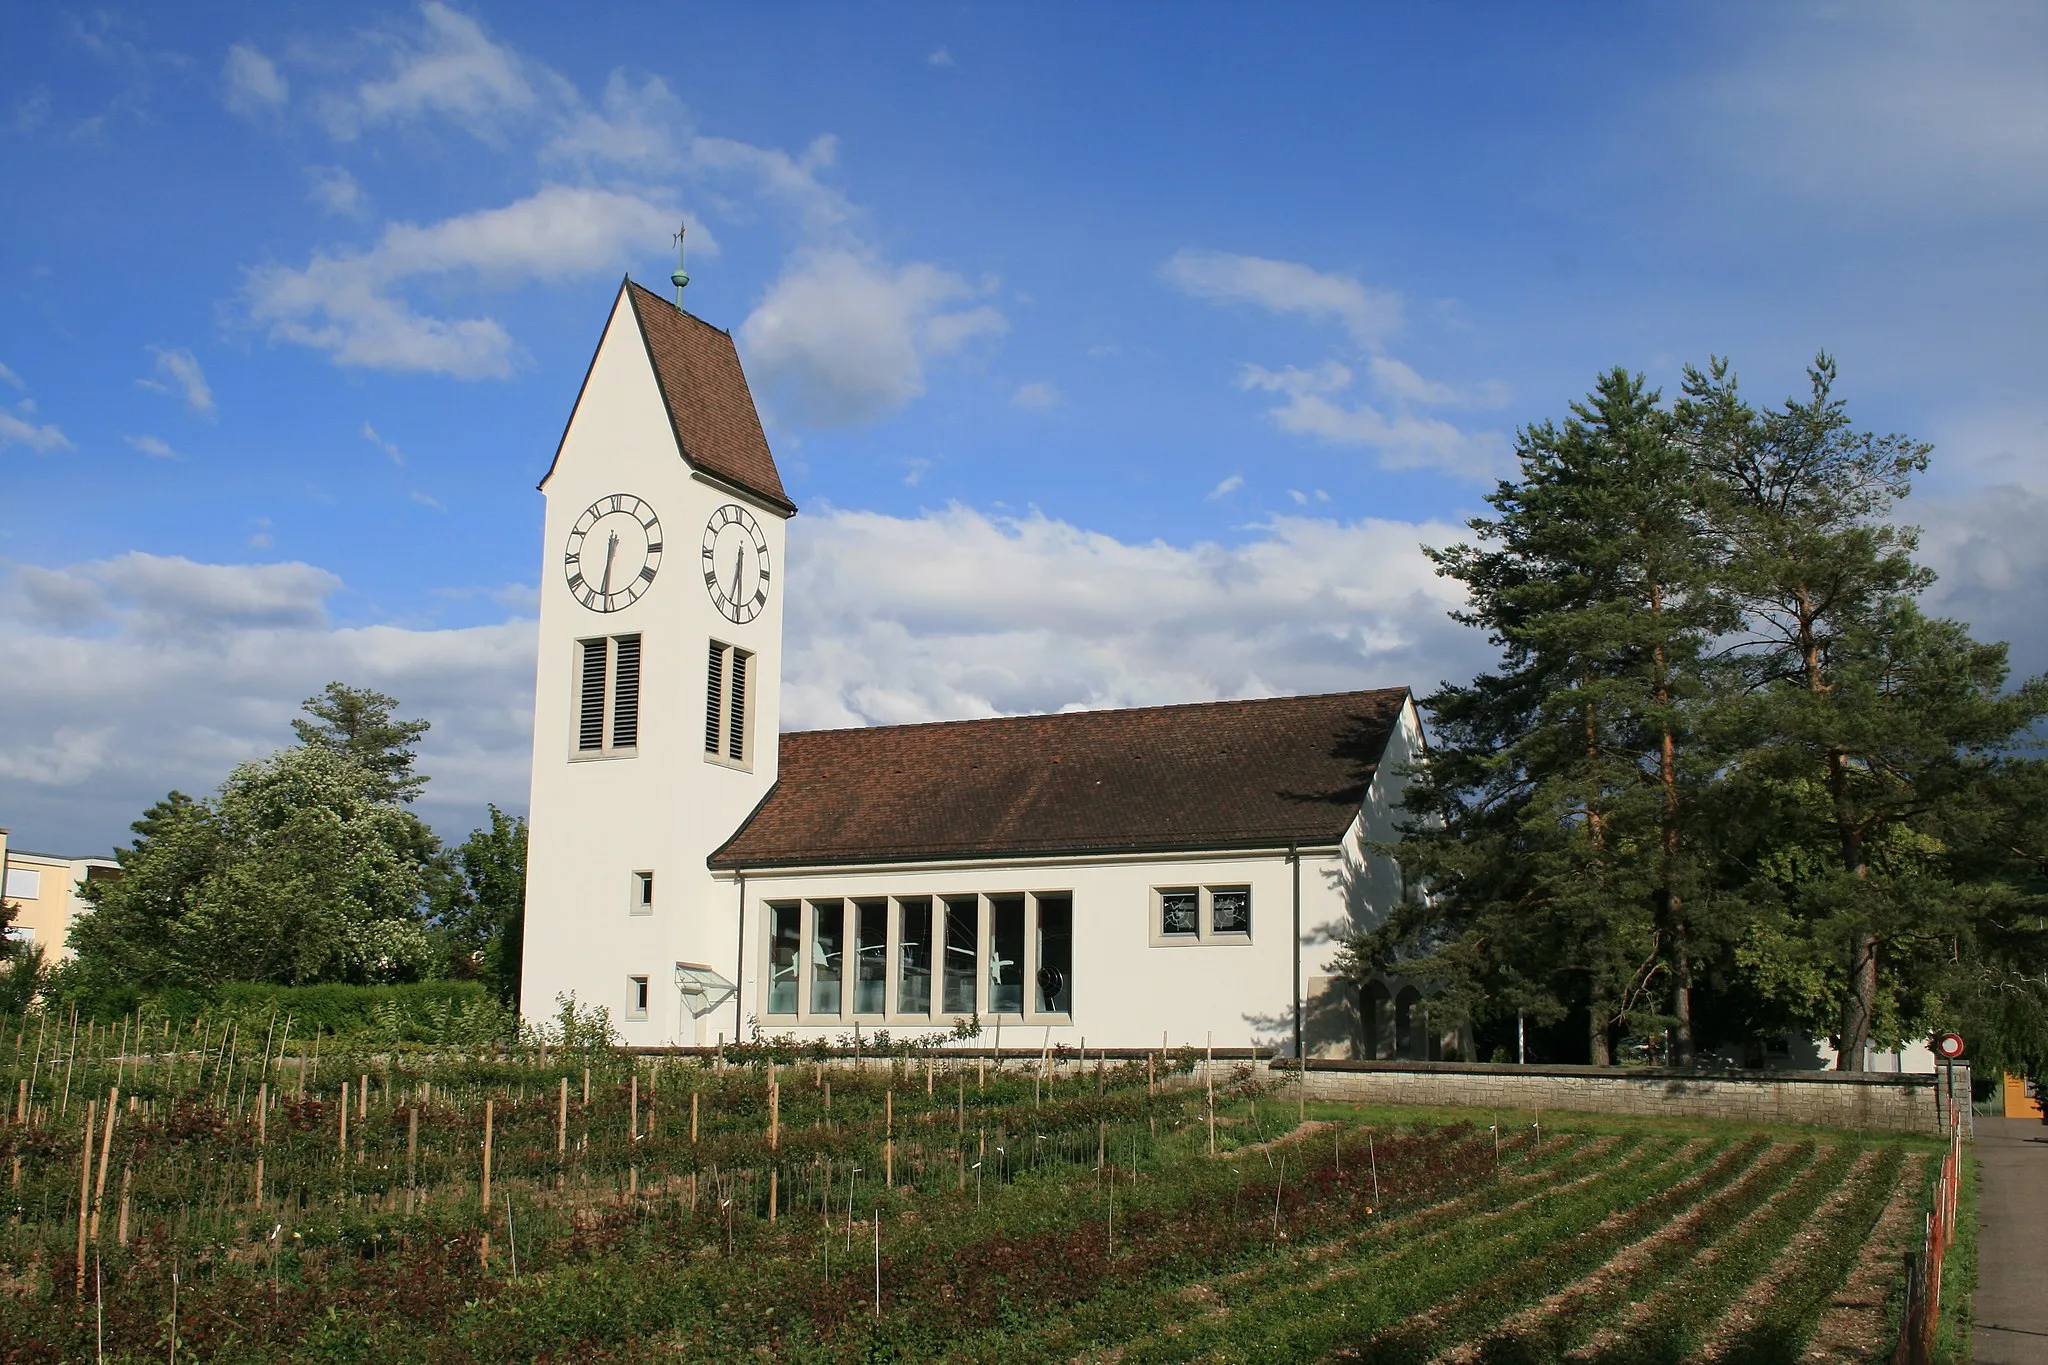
(915, 1208)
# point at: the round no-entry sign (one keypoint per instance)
(1949, 1046)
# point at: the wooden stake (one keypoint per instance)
(1209, 1075)
(262, 1138)
(99, 1189)
(633, 1122)
(412, 1155)
(774, 1117)
(363, 1097)
(344, 1120)
(889, 1138)
(490, 1114)
(127, 1178)
(693, 1133)
(85, 1188)
(562, 1122)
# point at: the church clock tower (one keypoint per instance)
(657, 693)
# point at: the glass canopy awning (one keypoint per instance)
(703, 989)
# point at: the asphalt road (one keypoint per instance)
(2012, 1243)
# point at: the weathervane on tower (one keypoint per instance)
(681, 278)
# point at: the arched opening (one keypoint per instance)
(1405, 1005)
(1373, 1022)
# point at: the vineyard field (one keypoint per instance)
(407, 1205)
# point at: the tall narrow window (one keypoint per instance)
(785, 942)
(636, 997)
(607, 694)
(626, 692)
(725, 706)
(871, 952)
(1005, 954)
(914, 961)
(828, 955)
(714, 699)
(963, 951)
(590, 708)
(642, 902)
(1055, 954)
(736, 720)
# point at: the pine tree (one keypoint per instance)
(1862, 725)
(1557, 819)
(357, 721)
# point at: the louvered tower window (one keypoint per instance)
(607, 695)
(726, 737)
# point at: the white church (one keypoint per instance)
(1176, 873)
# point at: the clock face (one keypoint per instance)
(613, 551)
(735, 564)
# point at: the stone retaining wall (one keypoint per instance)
(1829, 1099)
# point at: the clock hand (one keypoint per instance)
(739, 561)
(611, 548)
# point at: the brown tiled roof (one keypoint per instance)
(1232, 774)
(710, 409)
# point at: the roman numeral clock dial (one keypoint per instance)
(735, 564)
(614, 549)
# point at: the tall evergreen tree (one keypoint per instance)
(358, 722)
(1863, 725)
(1556, 821)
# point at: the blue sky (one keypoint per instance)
(1114, 356)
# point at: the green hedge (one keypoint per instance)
(422, 1012)
(340, 1009)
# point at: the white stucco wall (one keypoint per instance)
(595, 821)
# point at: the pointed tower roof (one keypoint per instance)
(710, 408)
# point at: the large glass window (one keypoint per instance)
(1180, 912)
(828, 955)
(871, 957)
(785, 942)
(832, 958)
(963, 943)
(1055, 955)
(914, 958)
(1230, 910)
(1005, 954)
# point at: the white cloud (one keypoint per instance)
(140, 674)
(1401, 441)
(11, 379)
(955, 614)
(641, 125)
(791, 180)
(335, 190)
(1225, 488)
(425, 500)
(1039, 394)
(41, 439)
(1370, 315)
(181, 368)
(449, 67)
(183, 669)
(842, 337)
(388, 447)
(252, 81)
(1399, 380)
(153, 447)
(352, 305)
(940, 57)
(1931, 108)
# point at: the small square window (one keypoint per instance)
(636, 997)
(1230, 910)
(1180, 912)
(643, 893)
